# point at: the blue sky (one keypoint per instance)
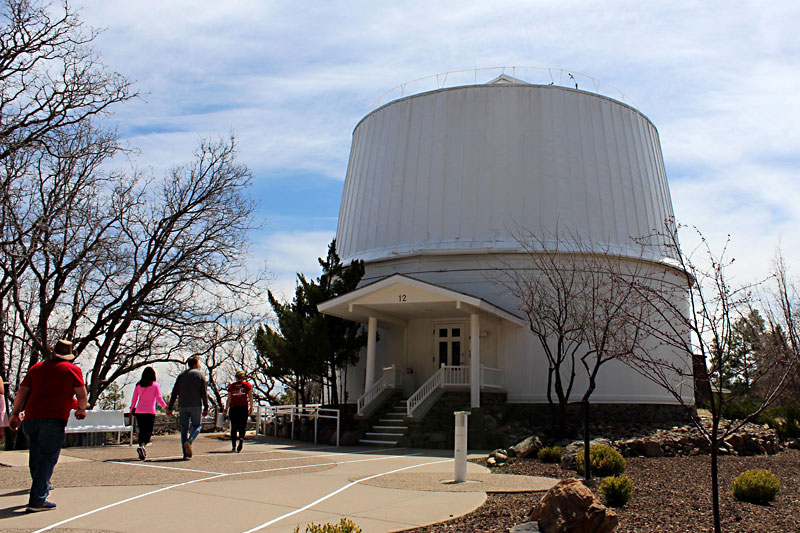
(719, 79)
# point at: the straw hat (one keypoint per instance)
(63, 350)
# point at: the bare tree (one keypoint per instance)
(134, 269)
(52, 88)
(550, 289)
(51, 79)
(691, 314)
(577, 308)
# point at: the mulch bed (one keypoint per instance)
(672, 494)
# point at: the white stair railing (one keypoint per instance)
(491, 377)
(427, 388)
(446, 376)
(388, 380)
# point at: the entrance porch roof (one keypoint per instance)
(397, 299)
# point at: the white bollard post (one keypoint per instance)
(460, 456)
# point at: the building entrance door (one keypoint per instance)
(449, 344)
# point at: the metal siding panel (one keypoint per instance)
(453, 168)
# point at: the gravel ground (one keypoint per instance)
(673, 494)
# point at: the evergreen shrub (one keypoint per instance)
(605, 460)
(617, 490)
(756, 486)
(550, 454)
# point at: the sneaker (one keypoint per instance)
(44, 506)
(187, 450)
(239, 447)
(233, 446)
(141, 452)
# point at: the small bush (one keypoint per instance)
(617, 490)
(785, 420)
(550, 454)
(344, 526)
(756, 486)
(605, 460)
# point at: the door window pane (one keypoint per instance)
(443, 332)
(456, 359)
(456, 332)
(442, 353)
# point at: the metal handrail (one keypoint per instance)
(309, 411)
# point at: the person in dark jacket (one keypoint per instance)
(190, 388)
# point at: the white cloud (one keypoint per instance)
(292, 253)
(719, 80)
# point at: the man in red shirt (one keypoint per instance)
(46, 397)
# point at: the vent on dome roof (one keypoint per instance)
(505, 79)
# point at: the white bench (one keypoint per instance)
(100, 421)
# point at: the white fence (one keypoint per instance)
(266, 414)
(491, 377)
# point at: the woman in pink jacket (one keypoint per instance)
(143, 405)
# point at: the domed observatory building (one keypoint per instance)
(436, 184)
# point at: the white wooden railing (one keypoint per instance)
(453, 376)
(389, 379)
(491, 377)
(427, 388)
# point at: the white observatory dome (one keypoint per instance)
(456, 170)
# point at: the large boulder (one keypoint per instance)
(527, 447)
(570, 506)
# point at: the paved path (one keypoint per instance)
(271, 486)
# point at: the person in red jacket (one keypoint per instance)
(46, 395)
(238, 407)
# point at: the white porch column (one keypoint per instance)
(475, 360)
(372, 334)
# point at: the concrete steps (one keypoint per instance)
(389, 428)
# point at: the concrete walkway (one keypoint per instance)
(272, 485)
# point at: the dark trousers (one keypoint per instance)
(145, 422)
(45, 438)
(238, 415)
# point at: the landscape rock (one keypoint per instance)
(527, 447)
(497, 458)
(570, 506)
(750, 439)
(525, 527)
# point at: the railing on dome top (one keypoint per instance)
(523, 75)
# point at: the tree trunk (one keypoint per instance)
(715, 475)
(334, 388)
(587, 465)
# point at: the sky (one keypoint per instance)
(720, 80)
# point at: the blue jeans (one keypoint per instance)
(193, 415)
(45, 438)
